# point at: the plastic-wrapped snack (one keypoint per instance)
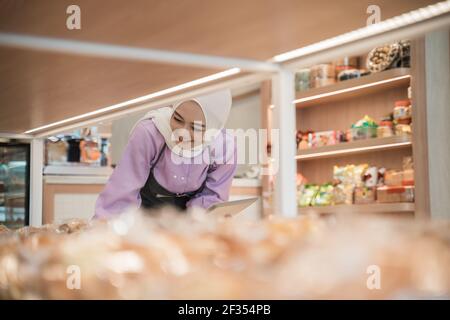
(364, 128)
(408, 163)
(324, 138)
(358, 173)
(322, 75)
(302, 80)
(308, 194)
(381, 173)
(393, 177)
(403, 130)
(344, 174)
(389, 194)
(365, 195)
(384, 57)
(370, 177)
(343, 194)
(325, 195)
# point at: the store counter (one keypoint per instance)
(68, 196)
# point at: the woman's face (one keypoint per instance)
(188, 124)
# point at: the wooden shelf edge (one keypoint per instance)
(361, 208)
(385, 78)
(360, 146)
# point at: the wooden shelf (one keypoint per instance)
(360, 208)
(354, 87)
(360, 146)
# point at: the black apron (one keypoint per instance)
(153, 195)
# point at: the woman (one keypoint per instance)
(178, 155)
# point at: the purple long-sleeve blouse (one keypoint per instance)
(216, 169)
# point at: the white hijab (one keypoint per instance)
(216, 108)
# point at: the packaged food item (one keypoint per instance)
(307, 194)
(73, 150)
(56, 150)
(393, 178)
(358, 173)
(298, 137)
(324, 138)
(349, 174)
(341, 136)
(363, 133)
(370, 177)
(343, 174)
(408, 171)
(303, 140)
(383, 58)
(322, 75)
(364, 122)
(385, 131)
(385, 127)
(348, 74)
(403, 130)
(364, 128)
(89, 147)
(381, 173)
(408, 163)
(402, 110)
(325, 195)
(364, 195)
(389, 194)
(408, 177)
(323, 71)
(302, 80)
(405, 54)
(90, 151)
(343, 194)
(346, 63)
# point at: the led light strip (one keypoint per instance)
(371, 30)
(352, 150)
(120, 105)
(332, 93)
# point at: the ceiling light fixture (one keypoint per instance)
(120, 105)
(371, 30)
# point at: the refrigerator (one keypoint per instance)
(14, 184)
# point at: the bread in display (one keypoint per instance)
(165, 255)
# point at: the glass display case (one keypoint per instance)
(14, 184)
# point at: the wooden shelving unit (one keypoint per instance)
(337, 107)
(354, 147)
(372, 83)
(360, 208)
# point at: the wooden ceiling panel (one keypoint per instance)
(257, 29)
(38, 88)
